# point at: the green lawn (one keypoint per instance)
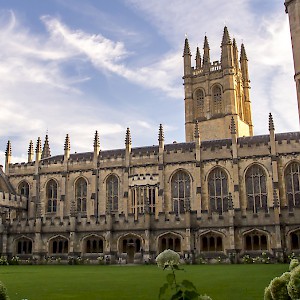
(93, 282)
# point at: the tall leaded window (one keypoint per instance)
(200, 103)
(217, 100)
(81, 194)
(24, 189)
(181, 192)
(59, 245)
(143, 199)
(94, 245)
(292, 185)
(295, 240)
(170, 241)
(51, 191)
(256, 189)
(218, 191)
(112, 193)
(24, 246)
(255, 241)
(211, 242)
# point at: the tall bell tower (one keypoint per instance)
(217, 91)
(292, 7)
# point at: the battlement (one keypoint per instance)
(9, 200)
(215, 66)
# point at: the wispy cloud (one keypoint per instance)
(107, 55)
(266, 36)
(45, 76)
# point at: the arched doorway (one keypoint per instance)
(131, 245)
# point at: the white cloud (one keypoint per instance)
(266, 37)
(107, 55)
(42, 75)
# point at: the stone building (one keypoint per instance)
(222, 193)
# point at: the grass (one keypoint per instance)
(94, 282)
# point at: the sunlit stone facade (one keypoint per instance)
(222, 193)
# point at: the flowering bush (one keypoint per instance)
(3, 292)
(14, 261)
(170, 260)
(287, 286)
(3, 261)
(293, 264)
(247, 259)
(100, 260)
(293, 286)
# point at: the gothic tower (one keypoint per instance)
(216, 92)
(292, 7)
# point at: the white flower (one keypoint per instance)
(168, 258)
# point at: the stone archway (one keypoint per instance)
(130, 245)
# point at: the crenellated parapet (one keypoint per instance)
(13, 201)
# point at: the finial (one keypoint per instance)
(234, 43)
(30, 148)
(186, 50)
(161, 133)
(243, 52)
(96, 140)
(67, 143)
(198, 53)
(38, 148)
(206, 44)
(46, 149)
(196, 133)
(128, 137)
(271, 123)
(8, 149)
(198, 58)
(232, 126)
(226, 38)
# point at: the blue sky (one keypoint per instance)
(72, 66)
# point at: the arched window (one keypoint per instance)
(51, 196)
(94, 245)
(169, 241)
(211, 242)
(24, 189)
(292, 185)
(181, 190)
(256, 189)
(217, 100)
(199, 103)
(143, 199)
(112, 193)
(255, 241)
(81, 194)
(218, 191)
(59, 245)
(295, 240)
(24, 246)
